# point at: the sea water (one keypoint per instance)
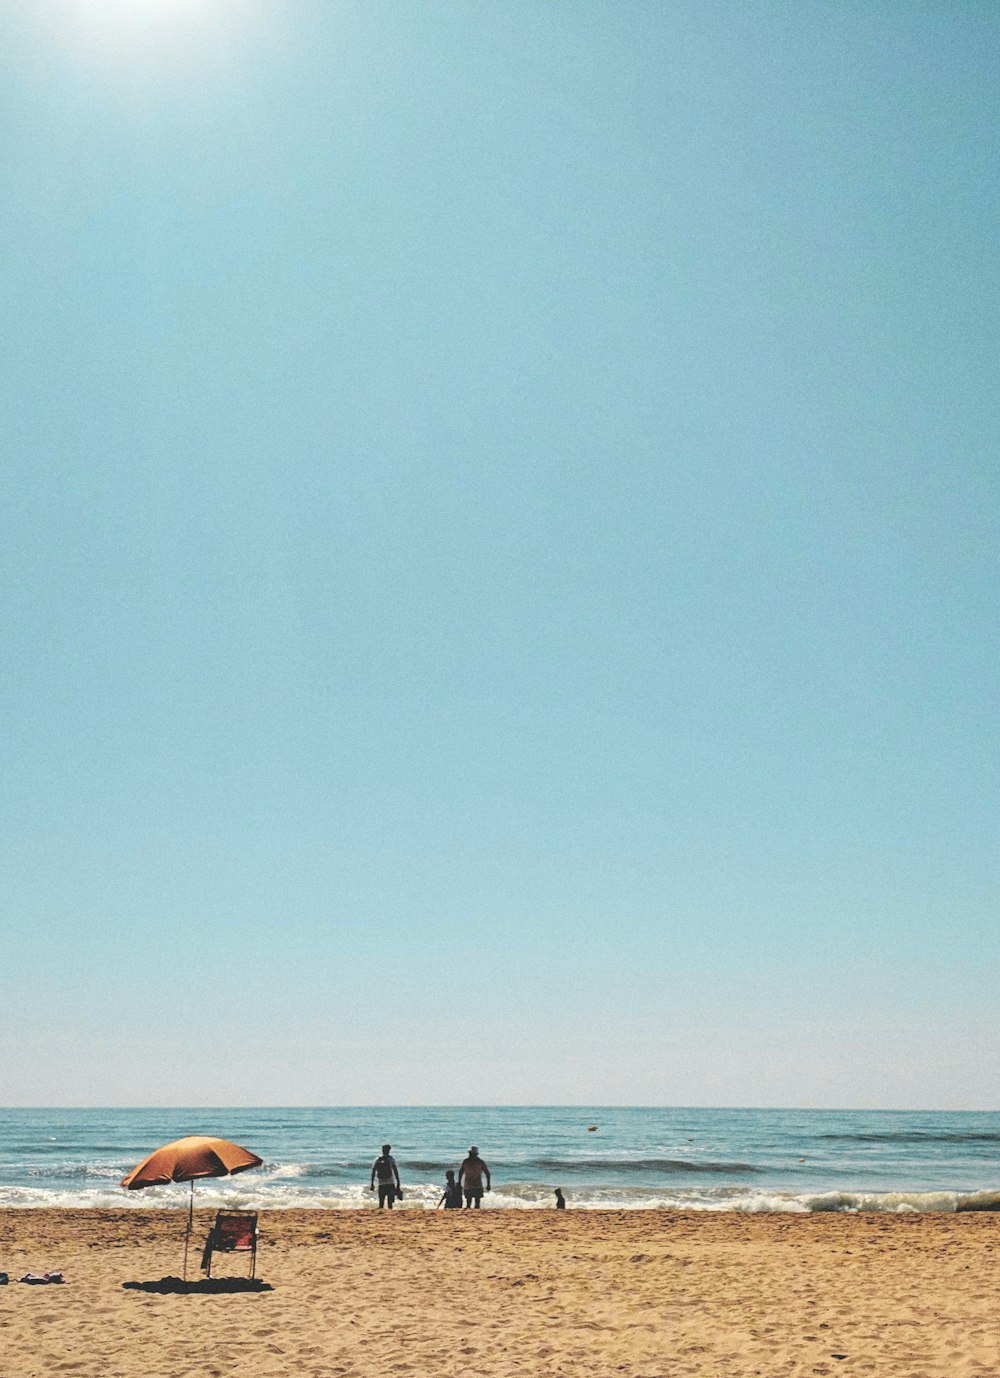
(603, 1158)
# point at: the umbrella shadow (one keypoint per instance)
(203, 1285)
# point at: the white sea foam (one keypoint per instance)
(284, 1192)
(286, 1170)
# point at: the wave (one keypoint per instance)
(610, 1164)
(901, 1202)
(979, 1201)
(71, 1171)
(290, 1193)
(917, 1136)
(664, 1165)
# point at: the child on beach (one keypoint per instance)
(560, 1200)
(452, 1196)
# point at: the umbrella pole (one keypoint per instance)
(187, 1237)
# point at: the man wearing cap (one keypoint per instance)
(470, 1178)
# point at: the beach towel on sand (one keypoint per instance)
(38, 1278)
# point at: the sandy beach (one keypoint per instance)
(642, 1294)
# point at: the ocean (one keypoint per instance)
(634, 1158)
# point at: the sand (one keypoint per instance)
(639, 1294)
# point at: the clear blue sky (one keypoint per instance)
(499, 539)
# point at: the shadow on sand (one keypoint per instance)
(206, 1285)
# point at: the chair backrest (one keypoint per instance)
(235, 1230)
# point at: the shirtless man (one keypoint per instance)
(388, 1178)
(470, 1178)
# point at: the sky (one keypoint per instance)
(498, 535)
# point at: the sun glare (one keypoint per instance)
(121, 29)
(115, 22)
(135, 11)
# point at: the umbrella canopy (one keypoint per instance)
(186, 1159)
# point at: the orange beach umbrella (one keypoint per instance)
(185, 1160)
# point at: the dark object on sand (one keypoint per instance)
(207, 1285)
(38, 1279)
(560, 1200)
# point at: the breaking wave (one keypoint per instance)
(664, 1165)
(916, 1136)
(286, 1192)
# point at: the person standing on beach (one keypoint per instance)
(384, 1167)
(560, 1200)
(452, 1196)
(470, 1178)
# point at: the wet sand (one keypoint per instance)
(641, 1294)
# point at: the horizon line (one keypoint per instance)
(520, 1105)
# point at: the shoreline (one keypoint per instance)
(220, 1194)
(500, 1293)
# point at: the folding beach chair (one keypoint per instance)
(234, 1232)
